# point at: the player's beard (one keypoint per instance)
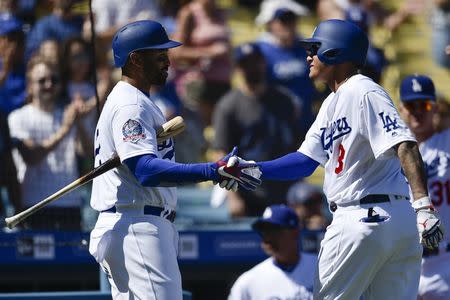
(159, 78)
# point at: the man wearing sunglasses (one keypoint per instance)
(371, 247)
(46, 133)
(417, 108)
(287, 273)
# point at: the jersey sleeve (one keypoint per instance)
(133, 132)
(382, 125)
(312, 145)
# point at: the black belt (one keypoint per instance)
(149, 210)
(372, 199)
(369, 199)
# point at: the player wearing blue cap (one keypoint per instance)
(371, 247)
(417, 108)
(134, 239)
(285, 57)
(287, 273)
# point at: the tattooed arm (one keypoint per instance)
(412, 164)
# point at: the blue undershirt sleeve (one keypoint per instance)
(152, 171)
(292, 166)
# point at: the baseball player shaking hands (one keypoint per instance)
(134, 239)
(371, 248)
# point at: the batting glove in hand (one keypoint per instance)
(246, 173)
(431, 230)
(224, 182)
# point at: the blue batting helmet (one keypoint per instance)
(337, 41)
(139, 35)
(417, 87)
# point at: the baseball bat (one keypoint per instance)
(167, 130)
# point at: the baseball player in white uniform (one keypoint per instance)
(288, 273)
(134, 239)
(417, 108)
(371, 248)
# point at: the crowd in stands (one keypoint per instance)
(55, 76)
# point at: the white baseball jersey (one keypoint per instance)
(352, 137)
(53, 172)
(435, 276)
(436, 156)
(127, 126)
(266, 281)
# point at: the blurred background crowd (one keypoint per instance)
(240, 78)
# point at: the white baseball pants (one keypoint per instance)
(139, 255)
(435, 277)
(374, 260)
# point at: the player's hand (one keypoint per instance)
(246, 173)
(224, 182)
(431, 229)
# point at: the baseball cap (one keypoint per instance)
(303, 193)
(278, 215)
(9, 23)
(271, 9)
(245, 50)
(417, 87)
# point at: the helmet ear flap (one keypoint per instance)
(340, 41)
(331, 56)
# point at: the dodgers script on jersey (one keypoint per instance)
(349, 128)
(127, 126)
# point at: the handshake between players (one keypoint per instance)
(235, 172)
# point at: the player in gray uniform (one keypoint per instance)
(288, 273)
(417, 108)
(134, 239)
(371, 248)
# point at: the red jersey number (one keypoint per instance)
(440, 192)
(340, 161)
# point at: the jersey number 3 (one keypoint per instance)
(340, 161)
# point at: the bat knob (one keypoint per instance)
(9, 222)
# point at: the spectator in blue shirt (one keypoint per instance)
(12, 69)
(61, 25)
(376, 60)
(286, 59)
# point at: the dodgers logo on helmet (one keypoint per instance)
(132, 131)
